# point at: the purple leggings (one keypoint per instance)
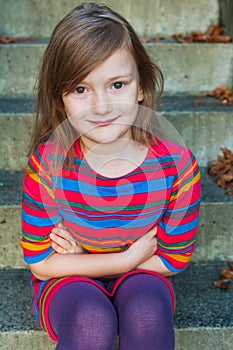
(84, 318)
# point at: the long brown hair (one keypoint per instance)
(83, 39)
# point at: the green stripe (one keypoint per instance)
(33, 237)
(130, 207)
(177, 245)
(41, 159)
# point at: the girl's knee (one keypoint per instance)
(83, 318)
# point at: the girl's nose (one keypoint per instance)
(101, 105)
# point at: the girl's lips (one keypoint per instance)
(103, 122)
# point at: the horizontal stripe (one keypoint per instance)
(32, 259)
(41, 222)
(107, 191)
(179, 230)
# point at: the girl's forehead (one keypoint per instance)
(120, 62)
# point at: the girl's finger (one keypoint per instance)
(63, 233)
(58, 248)
(152, 233)
(63, 243)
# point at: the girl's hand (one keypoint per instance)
(63, 242)
(144, 247)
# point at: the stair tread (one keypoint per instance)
(11, 185)
(169, 103)
(198, 302)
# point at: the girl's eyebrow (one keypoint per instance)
(118, 77)
(127, 75)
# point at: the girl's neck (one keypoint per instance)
(114, 160)
(104, 149)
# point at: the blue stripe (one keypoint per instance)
(103, 215)
(184, 209)
(178, 230)
(33, 201)
(169, 266)
(41, 222)
(112, 223)
(39, 257)
(119, 190)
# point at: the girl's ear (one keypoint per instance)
(140, 95)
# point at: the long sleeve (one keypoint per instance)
(39, 209)
(178, 228)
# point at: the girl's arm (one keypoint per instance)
(96, 265)
(154, 263)
(176, 232)
(63, 243)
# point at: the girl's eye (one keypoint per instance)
(80, 90)
(118, 85)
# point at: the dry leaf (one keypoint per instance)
(214, 35)
(222, 171)
(225, 279)
(145, 40)
(199, 101)
(223, 284)
(227, 274)
(223, 93)
(148, 40)
(157, 38)
(8, 40)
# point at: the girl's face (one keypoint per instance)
(104, 105)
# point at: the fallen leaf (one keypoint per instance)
(223, 93)
(226, 277)
(157, 38)
(223, 284)
(199, 101)
(145, 40)
(214, 35)
(227, 274)
(222, 171)
(8, 40)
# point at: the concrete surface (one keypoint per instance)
(202, 317)
(187, 68)
(204, 128)
(226, 15)
(161, 17)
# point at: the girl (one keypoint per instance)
(110, 209)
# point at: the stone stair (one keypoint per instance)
(203, 318)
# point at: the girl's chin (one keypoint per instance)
(109, 138)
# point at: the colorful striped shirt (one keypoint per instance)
(110, 214)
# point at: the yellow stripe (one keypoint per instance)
(185, 174)
(115, 242)
(180, 258)
(39, 167)
(175, 248)
(36, 178)
(187, 186)
(100, 249)
(44, 300)
(34, 247)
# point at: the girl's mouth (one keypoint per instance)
(103, 122)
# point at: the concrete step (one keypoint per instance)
(226, 14)
(202, 319)
(187, 68)
(162, 17)
(215, 239)
(205, 128)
